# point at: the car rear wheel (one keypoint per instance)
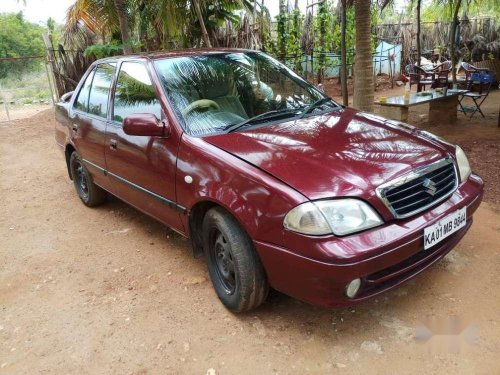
(233, 264)
(90, 194)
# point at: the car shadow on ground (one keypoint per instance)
(280, 310)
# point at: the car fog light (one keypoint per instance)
(353, 288)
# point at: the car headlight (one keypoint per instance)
(463, 164)
(339, 216)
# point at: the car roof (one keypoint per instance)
(176, 53)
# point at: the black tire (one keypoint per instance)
(233, 264)
(90, 194)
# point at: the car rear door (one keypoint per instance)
(88, 120)
(141, 168)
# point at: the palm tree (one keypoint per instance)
(455, 8)
(419, 48)
(204, 32)
(418, 7)
(98, 17)
(160, 23)
(121, 12)
(343, 53)
(363, 63)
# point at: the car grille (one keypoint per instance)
(420, 189)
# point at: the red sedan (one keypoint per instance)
(275, 183)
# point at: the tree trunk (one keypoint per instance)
(363, 63)
(323, 9)
(281, 28)
(124, 29)
(453, 31)
(204, 32)
(343, 54)
(419, 50)
(253, 40)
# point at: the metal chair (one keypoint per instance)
(478, 92)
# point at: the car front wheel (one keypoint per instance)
(233, 264)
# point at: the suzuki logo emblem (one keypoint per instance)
(430, 187)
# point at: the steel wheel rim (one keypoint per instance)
(222, 260)
(81, 180)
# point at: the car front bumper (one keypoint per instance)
(383, 257)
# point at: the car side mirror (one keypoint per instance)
(320, 87)
(145, 124)
(65, 98)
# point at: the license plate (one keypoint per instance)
(444, 228)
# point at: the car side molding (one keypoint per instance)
(170, 203)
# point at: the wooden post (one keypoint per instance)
(50, 83)
(51, 58)
(6, 106)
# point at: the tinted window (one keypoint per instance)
(98, 99)
(82, 101)
(134, 92)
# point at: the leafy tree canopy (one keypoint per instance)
(19, 38)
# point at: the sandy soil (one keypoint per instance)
(109, 290)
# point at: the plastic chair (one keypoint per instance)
(469, 69)
(441, 74)
(419, 76)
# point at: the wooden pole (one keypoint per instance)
(51, 58)
(50, 83)
(419, 48)
(6, 106)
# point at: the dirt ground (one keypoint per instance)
(20, 111)
(111, 291)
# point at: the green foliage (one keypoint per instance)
(19, 38)
(282, 20)
(374, 21)
(51, 24)
(327, 31)
(288, 38)
(439, 10)
(294, 41)
(323, 24)
(30, 87)
(100, 51)
(113, 48)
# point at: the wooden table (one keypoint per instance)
(442, 108)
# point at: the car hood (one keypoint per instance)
(342, 153)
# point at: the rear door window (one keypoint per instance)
(99, 92)
(82, 101)
(134, 92)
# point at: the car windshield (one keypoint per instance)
(217, 92)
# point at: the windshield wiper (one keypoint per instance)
(314, 105)
(262, 116)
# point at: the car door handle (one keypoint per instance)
(113, 144)
(75, 127)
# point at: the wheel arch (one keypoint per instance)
(67, 154)
(195, 222)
